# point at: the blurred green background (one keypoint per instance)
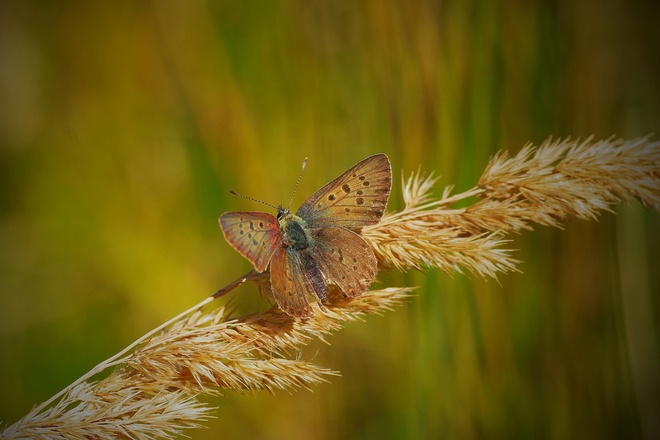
(124, 124)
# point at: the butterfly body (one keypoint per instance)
(292, 229)
(320, 244)
(295, 239)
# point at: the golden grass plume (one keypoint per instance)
(152, 391)
(545, 185)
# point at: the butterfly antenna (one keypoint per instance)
(251, 199)
(295, 188)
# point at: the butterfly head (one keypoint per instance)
(282, 212)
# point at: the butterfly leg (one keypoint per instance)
(234, 284)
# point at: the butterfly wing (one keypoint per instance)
(255, 235)
(289, 283)
(355, 199)
(344, 258)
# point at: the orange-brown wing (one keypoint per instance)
(288, 285)
(344, 258)
(255, 235)
(355, 199)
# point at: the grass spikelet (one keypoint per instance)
(152, 391)
(112, 408)
(559, 180)
(568, 178)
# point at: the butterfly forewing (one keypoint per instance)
(255, 235)
(344, 258)
(355, 199)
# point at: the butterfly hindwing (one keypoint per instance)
(255, 235)
(289, 284)
(344, 258)
(355, 199)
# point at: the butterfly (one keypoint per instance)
(320, 244)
